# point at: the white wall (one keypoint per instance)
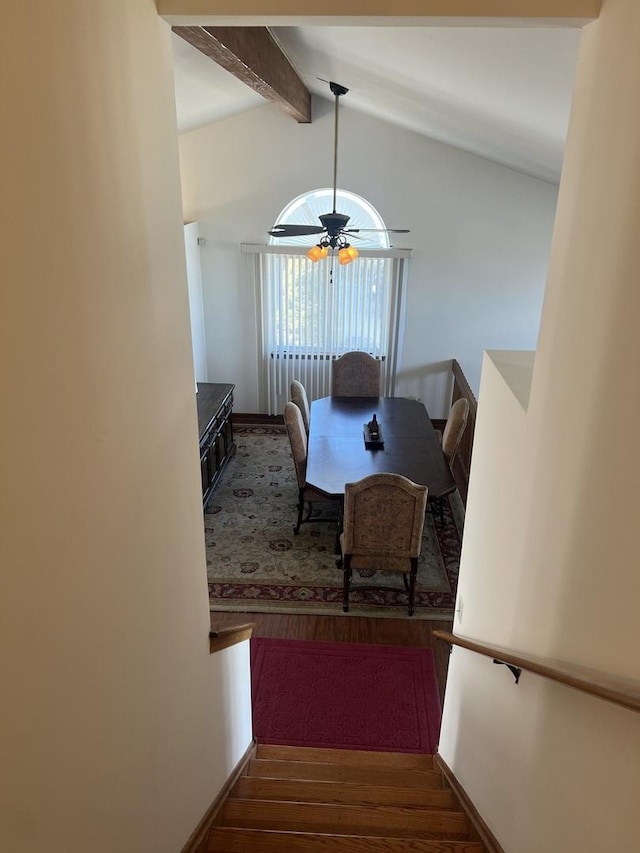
(550, 555)
(548, 768)
(196, 301)
(118, 728)
(480, 235)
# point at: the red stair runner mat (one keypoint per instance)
(344, 696)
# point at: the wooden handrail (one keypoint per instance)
(620, 691)
(226, 637)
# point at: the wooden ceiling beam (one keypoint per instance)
(253, 56)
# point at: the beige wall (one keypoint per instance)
(550, 553)
(115, 722)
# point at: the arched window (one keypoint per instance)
(311, 313)
(306, 208)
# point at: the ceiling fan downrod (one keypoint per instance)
(337, 90)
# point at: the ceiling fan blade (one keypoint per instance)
(376, 230)
(295, 230)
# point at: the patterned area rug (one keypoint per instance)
(319, 694)
(255, 563)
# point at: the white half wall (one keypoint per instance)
(480, 235)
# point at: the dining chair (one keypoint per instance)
(454, 429)
(383, 521)
(451, 438)
(306, 494)
(299, 397)
(355, 374)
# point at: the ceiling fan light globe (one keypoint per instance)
(347, 254)
(315, 253)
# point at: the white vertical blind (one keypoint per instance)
(311, 313)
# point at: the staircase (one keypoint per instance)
(325, 800)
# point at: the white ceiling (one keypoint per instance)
(502, 93)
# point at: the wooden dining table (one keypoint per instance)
(337, 454)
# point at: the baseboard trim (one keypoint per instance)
(252, 418)
(485, 835)
(197, 842)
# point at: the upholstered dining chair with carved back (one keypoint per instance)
(355, 374)
(383, 521)
(299, 397)
(451, 438)
(454, 429)
(306, 494)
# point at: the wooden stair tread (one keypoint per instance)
(231, 840)
(373, 820)
(352, 757)
(277, 769)
(341, 792)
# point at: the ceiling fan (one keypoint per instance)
(334, 224)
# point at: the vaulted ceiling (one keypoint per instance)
(501, 92)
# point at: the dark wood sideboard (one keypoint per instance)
(215, 403)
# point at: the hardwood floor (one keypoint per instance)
(351, 629)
